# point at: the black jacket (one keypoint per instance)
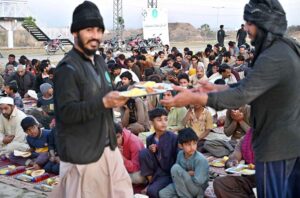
(84, 126)
(221, 36)
(25, 82)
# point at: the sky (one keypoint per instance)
(58, 13)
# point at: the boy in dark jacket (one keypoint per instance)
(160, 155)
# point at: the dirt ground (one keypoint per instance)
(40, 53)
(8, 191)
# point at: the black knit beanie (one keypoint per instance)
(267, 15)
(28, 122)
(86, 15)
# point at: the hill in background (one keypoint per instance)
(179, 32)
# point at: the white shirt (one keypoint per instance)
(217, 76)
(134, 76)
(12, 126)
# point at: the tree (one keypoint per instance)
(205, 31)
(29, 21)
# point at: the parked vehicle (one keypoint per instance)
(136, 42)
(52, 46)
(155, 41)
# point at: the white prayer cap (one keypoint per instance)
(32, 94)
(21, 67)
(7, 100)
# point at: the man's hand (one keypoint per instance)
(234, 115)
(36, 166)
(113, 100)
(237, 115)
(153, 148)
(52, 159)
(185, 97)
(57, 159)
(205, 87)
(8, 139)
(240, 116)
(231, 163)
(126, 108)
(191, 173)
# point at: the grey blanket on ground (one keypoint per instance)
(218, 148)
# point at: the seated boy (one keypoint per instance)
(190, 173)
(200, 120)
(130, 145)
(37, 140)
(11, 89)
(237, 122)
(175, 114)
(46, 99)
(160, 155)
(52, 166)
(134, 116)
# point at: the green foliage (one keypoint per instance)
(30, 21)
(206, 32)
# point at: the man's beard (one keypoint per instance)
(258, 43)
(88, 52)
(259, 38)
(7, 116)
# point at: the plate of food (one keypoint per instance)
(53, 181)
(165, 86)
(154, 85)
(21, 153)
(37, 173)
(219, 163)
(47, 185)
(6, 169)
(44, 187)
(242, 169)
(145, 84)
(24, 177)
(137, 92)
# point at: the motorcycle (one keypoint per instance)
(136, 42)
(52, 46)
(114, 45)
(155, 41)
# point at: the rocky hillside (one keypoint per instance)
(177, 31)
(183, 32)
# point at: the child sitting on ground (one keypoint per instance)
(37, 139)
(200, 120)
(160, 155)
(130, 145)
(11, 89)
(46, 100)
(190, 173)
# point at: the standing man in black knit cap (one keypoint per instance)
(91, 164)
(272, 90)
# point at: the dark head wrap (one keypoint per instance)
(270, 18)
(267, 15)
